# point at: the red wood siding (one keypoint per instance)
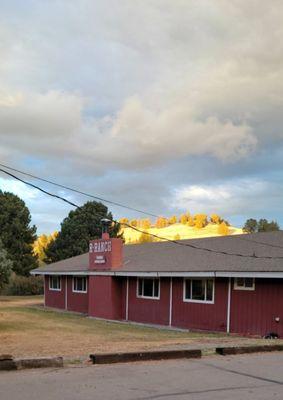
(105, 297)
(200, 315)
(254, 312)
(54, 298)
(77, 302)
(149, 310)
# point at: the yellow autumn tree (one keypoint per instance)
(177, 237)
(183, 219)
(172, 220)
(200, 221)
(223, 229)
(145, 238)
(41, 244)
(215, 219)
(123, 221)
(191, 221)
(134, 222)
(161, 222)
(145, 223)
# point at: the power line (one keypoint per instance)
(80, 192)
(139, 230)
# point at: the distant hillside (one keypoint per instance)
(178, 231)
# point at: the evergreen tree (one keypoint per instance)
(266, 226)
(16, 233)
(263, 225)
(5, 266)
(250, 225)
(81, 226)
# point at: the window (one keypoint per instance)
(79, 284)
(148, 288)
(54, 282)
(199, 290)
(244, 284)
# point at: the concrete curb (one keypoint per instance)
(25, 363)
(111, 358)
(248, 349)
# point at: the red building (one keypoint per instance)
(229, 284)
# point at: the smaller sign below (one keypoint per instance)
(99, 260)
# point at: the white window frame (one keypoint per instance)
(147, 297)
(60, 283)
(185, 300)
(237, 287)
(73, 284)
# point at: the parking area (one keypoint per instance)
(257, 377)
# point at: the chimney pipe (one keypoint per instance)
(105, 222)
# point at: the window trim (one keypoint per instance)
(147, 297)
(185, 300)
(236, 287)
(60, 283)
(73, 284)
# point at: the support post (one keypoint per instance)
(127, 299)
(229, 306)
(170, 303)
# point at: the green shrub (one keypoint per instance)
(24, 285)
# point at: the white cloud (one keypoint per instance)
(143, 85)
(242, 197)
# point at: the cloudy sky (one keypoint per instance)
(163, 105)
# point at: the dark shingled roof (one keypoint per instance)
(169, 257)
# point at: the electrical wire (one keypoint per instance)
(80, 192)
(254, 256)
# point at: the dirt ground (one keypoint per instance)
(27, 329)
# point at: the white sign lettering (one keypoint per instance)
(100, 247)
(99, 260)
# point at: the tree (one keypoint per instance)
(41, 244)
(5, 266)
(177, 237)
(265, 226)
(250, 226)
(16, 233)
(215, 219)
(134, 222)
(172, 220)
(161, 222)
(145, 238)
(145, 223)
(191, 221)
(183, 219)
(81, 226)
(124, 221)
(200, 221)
(223, 229)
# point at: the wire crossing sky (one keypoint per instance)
(165, 106)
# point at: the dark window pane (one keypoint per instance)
(240, 282)
(209, 290)
(156, 288)
(140, 287)
(148, 287)
(249, 282)
(198, 289)
(188, 289)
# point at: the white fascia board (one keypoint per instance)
(244, 274)
(72, 273)
(218, 274)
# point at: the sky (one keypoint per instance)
(167, 106)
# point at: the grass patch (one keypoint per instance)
(28, 330)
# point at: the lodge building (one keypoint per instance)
(226, 284)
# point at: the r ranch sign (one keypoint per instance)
(100, 247)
